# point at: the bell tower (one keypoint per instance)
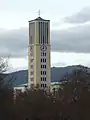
(39, 49)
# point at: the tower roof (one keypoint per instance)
(38, 19)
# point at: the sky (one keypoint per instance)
(70, 30)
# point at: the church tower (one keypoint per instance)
(39, 49)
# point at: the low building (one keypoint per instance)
(20, 88)
(23, 87)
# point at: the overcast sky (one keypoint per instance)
(70, 30)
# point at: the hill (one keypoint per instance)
(21, 77)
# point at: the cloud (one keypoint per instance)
(57, 60)
(14, 42)
(73, 39)
(59, 64)
(80, 17)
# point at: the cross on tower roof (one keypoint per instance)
(39, 13)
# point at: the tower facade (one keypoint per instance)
(39, 66)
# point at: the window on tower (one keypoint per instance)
(31, 39)
(45, 85)
(41, 72)
(45, 66)
(43, 53)
(41, 66)
(47, 31)
(39, 33)
(43, 39)
(31, 33)
(43, 32)
(44, 60)
(41, 59)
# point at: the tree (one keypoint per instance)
(75, 95)
(76, 81)
(35, 104)
(6, 91)
(5, 79)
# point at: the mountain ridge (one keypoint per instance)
(21, 76)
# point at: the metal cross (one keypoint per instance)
(39, 13)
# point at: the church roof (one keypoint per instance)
(38, 19)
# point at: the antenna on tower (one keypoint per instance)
(39, 13)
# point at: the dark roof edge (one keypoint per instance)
(38, 19)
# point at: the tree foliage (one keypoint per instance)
(71, 102)
(6, 92)
(75, 95)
